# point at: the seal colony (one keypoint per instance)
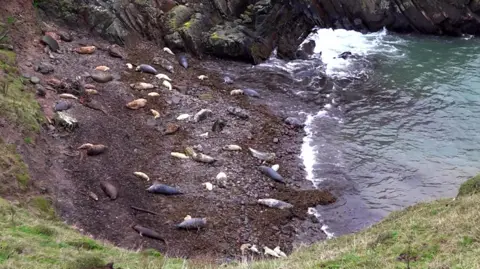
(186, 143)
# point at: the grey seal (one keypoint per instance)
(163, 189)
(268, 171)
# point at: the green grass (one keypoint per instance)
(17, 103)
(14, 175)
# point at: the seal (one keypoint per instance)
(153, 94)
(109, 190)
(232, 148)
(274, 203)
(163, 76)
(208, 185)
(169, 51)
(199, 157)
(236, 92)
(183, 117)
(221, 176)
(202, 77)
(251, 93)
(142, 86)
(62, 106)
(102, 68)
(86, 50)
(155, 113)
(145, 68)
(137, 104)
(50, 42)
(275, 167)
(238, 112)
(163, 189)
(218, 125)
(171, 128)
(202, 115)
(143, 231)
(96, 150)
(101, 76)
(93, 196)
(141, 175)
(91, 91)
(179, 155)
(268, 171)
(192, 223)
(129, 65)
(67, 96)
(264, 156)
(182, 59)
(167, 84)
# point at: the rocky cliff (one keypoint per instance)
(249, 30)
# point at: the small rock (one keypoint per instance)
(227, 80)
(115, 51)
(198, 148)
(40, 91)
(275, 140)
(62, 105)
(236, 111)
(34, 80)
(67, 37)
(176, 100)
(6, 47)
(171, 128)
(44, 68)
(294, 122)
(218, 125)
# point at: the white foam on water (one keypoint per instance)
(314, 212)
(308, 151)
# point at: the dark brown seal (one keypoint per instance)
(109, 190)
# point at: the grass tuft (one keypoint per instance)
(85, 243)
(43, 206)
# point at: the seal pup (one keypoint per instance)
(199, 157)
(102, 68)
(93, 149)
(109, 190)
(86, 50)
(153, 94)
(192, 223)
(183, 117)
(179, 155)
(67, 96)
(218, 125)
(169, 51)
(155, 113)
(137, 104)
(232, 148)
(268, 171)
(208, 185)
(51, 43)
(237, 92)
(202, 114)
(145, 68)
(271, 252)
(93, 196)
(276, 167)
(274, 203)
(279, 252)
(129, 65)
(91, 91)
(221, 176)
(143, 231)
(167, 84)
(142, 86)
(163, 189)
(202, 77)
(264, 156)
(141, 175)
(182, 59)
(251, 93)
(163, 76)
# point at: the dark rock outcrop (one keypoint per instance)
(249, 30)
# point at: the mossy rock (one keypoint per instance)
(177, 17)
(469, 187)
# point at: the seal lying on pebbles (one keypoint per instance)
(221, 176)
(232, 148)
(50, 42)
(67, 96)
(91, 91)
(145, 68)
(236, 92)
(155, 113)
(192, 223)
(62, 105)
(199, 157)
(251, 93)
(167, 50)
(171, 128)
(202, 77)
(167, 84)
(153, 94)
(163, 76)
(236, 111)
(183, 117)
(268, 171)
(163, 189)
(274, 203)
(137, 104)
(102, 68)
(93, 196)
(147, 232)
(218, 125)
(142, 86)
(179, 155)
(93, 149)
(86, 50)
(129, 65)
(202, 114)
(182, 59)
(264, 156)
(208, 185)
(101, 76)
(141, 175)
(109, 190)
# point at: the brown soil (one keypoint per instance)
(136, 143)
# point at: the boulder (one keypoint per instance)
(469, 187)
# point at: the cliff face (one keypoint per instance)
(249, 30)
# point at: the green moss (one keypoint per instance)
(188, 24)
(28, 140)
(85, 243)
(470, 186)
(43, 206)
(23, 180)
(15, 176)
(40, 230)
(17, 104)
(86, 262)
(214, 36)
